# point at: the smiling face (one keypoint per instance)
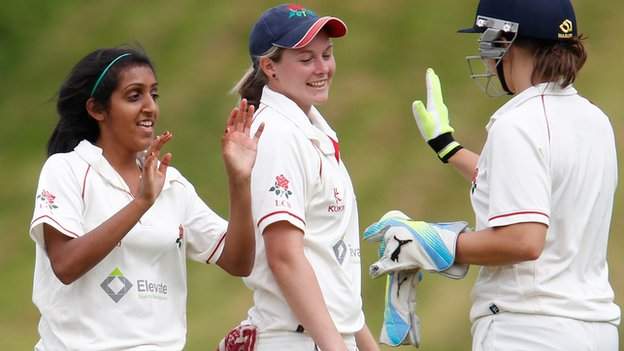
(127, 125)
(304, 75)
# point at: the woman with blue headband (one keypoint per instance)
(114, 224)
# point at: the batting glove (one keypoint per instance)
(433, 121)
(408, 245)
(401, 325)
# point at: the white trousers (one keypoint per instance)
(522, 332)
(293, 341)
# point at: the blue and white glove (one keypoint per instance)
(401, 325)
(410, 245)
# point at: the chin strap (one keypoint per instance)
(501, 77)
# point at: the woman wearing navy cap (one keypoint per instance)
(306, 281)
(542, 187)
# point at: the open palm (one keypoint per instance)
(238, 146)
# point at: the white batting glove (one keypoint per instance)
(433, 122)
(409, 245)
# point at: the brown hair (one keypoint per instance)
(250, 85)
(555, 61)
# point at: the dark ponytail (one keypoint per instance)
(75, 124)
(555, 61)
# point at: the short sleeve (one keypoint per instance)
(58, 200)
(519, 181)
(278, 179)
(205, 230)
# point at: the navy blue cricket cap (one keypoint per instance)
(541, 19)
(290, 26)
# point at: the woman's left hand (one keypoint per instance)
(238, 146)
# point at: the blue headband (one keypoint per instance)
(99, 80)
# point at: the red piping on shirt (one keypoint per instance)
(519, 213)
(336, 149)
(216, 248)
(278, 212)
(57, 223)
(84, 182)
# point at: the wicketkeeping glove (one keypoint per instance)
(401, 325)
(408, 245)
(433, 121)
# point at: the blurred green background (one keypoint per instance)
(200, 50)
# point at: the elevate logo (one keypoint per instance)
(112, 283)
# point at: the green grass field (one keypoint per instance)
(200, 50)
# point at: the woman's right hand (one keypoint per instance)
(153, 174)
(238, 146)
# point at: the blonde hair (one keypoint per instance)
(250, 85)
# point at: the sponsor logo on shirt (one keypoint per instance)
(341, 249)
(46, 199)
(338, 205)
(116, 285)
(149, 289)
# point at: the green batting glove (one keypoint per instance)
(433, 121)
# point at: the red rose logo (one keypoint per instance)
(281, 186)
(282, 182)
(47, 199)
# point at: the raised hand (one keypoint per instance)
(238, 146)
(153, 174)
(433, 122)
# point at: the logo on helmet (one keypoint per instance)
(566, 27)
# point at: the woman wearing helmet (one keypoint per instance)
(542, 188)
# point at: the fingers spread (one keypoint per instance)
(231, 120)
(240, 118)
(162, 140)
(248, 119)
(164, 163)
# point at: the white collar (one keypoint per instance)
(313, 125)
(93, 155)
(542, 89)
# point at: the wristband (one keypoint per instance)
(445, 146)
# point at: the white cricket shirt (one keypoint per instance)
(300, 178)
(135, 298)
(549, 158)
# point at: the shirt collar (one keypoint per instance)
(313, 125)
(546, 89)
(93, 155)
